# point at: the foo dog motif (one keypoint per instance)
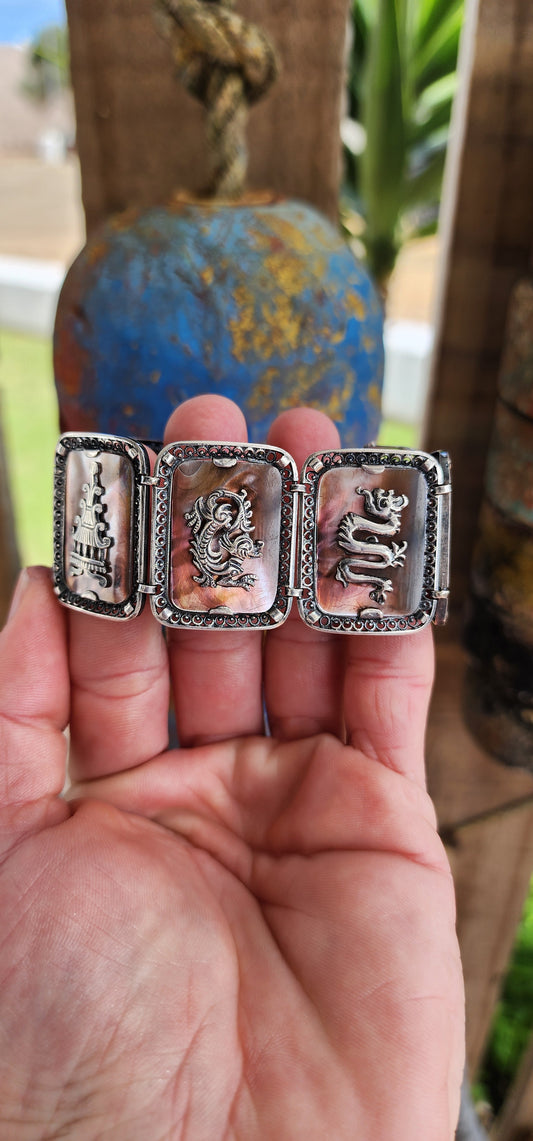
(383, 518)
(222, 526)
(89, 532)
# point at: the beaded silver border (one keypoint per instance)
(136, 454)
(160, 577)
(435, 573)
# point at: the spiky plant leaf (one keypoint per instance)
(383, 161)
(437, 56)
(402, 85)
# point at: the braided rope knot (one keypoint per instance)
(228, 64)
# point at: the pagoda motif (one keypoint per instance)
(90, 541)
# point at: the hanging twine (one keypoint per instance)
(226, 63)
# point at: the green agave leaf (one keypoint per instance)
(402, 85)
(406, 12)
(431, 14)
(364, 11)
(433, 110)
(420, 133)
(358, 56)
(438, 56)
(360, 32)
(383, 162)
(437, 94)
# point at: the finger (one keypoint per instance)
(34, 709)
(120, 694)
(216, 676)
(387, 689)
(303, 667)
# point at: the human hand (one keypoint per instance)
(251, 937)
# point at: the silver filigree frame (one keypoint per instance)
(161, 602)
(433, 601)
(134, 452)
(297, 571)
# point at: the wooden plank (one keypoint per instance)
(484, 808)
(515, 1123)
(492, 863)
(485, 813)
(465, 782)
(140, 135)
(489, 236)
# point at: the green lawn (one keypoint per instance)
(393, 434)
(30, 430)
(29, 417)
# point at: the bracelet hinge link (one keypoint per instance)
(294, 590)
(144, 482)
(444, 493)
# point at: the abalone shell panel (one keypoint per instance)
(339, 495)
(99, 525)
(223, 564)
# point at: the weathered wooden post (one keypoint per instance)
(499, 630)
(129, 108)
(249, 294)
(484, 808)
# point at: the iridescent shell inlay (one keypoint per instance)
(98, 525)
(369, 545)
(225, 536)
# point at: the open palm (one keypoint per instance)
(251, 937)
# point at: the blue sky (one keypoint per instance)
(20, 20)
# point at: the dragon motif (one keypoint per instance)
(383, 518)
(221, 524)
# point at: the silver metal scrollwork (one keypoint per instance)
(382, 519)
(221, 523)
(90, 539)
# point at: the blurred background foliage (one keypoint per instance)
(48, 66)
(402, 82)
(513, 1020)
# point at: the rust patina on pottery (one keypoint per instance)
(261, 301)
